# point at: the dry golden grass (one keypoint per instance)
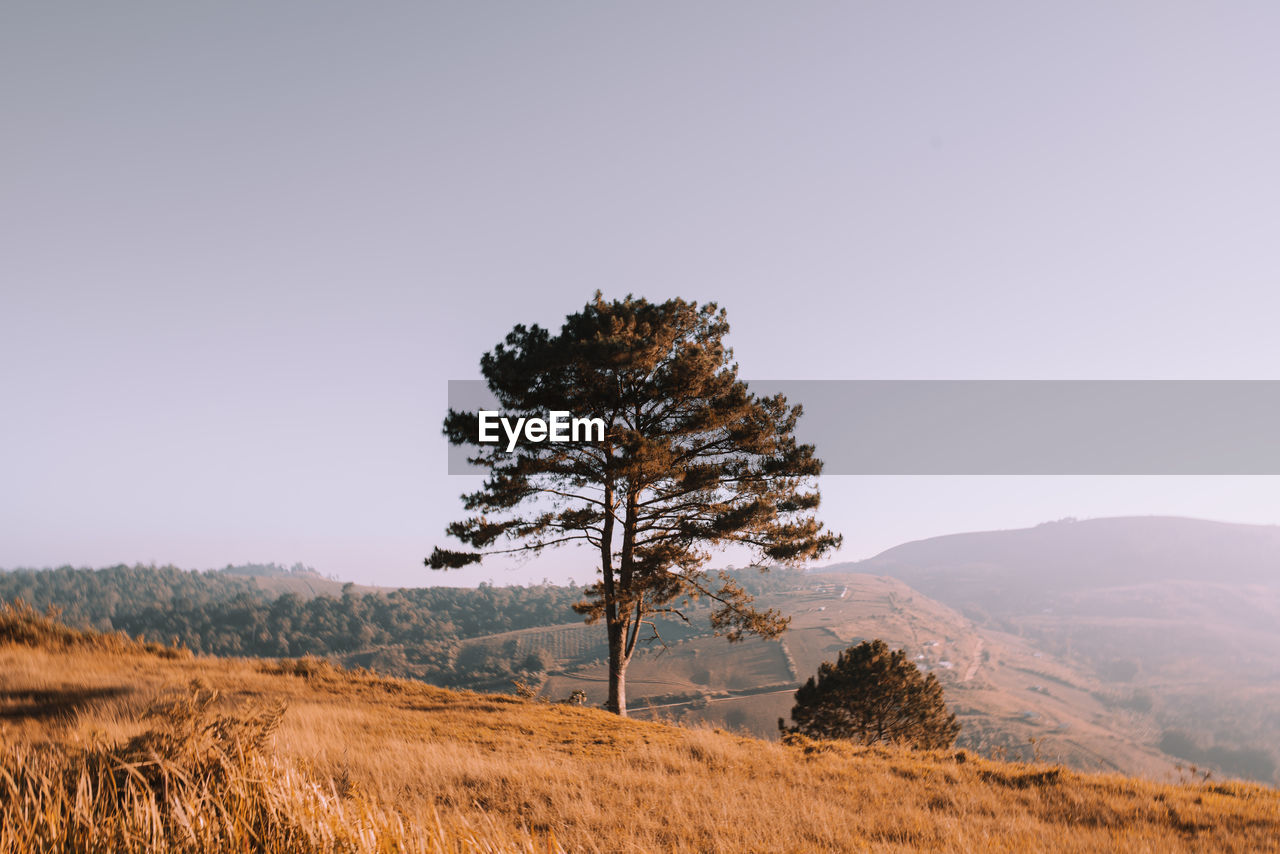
(201, 782)
(197, 776)
(398, 758)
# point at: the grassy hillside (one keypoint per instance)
(1175, 618)
(1013, 700)
(300, 756)
(1078, 555)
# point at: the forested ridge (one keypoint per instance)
(419, 632)
(413, 631)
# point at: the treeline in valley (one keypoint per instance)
(409, 631)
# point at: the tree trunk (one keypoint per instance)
(617, 702)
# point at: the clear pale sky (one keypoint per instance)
(244, 246)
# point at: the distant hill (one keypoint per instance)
(1073, 555)
(304, 581)
(271, 570)
(1179, 617)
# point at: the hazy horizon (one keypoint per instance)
(245, 249)
(519, 577)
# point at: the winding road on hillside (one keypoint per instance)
(977, 661)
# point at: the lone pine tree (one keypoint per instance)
(690, 460)
(874, 694)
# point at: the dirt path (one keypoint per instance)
(977, 660)
(737, 694)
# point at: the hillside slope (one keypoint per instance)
(1178, 618)
(1013, 700)
(1031, 567)
(513, 768)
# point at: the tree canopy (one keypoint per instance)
(874, 694)
(690, 461)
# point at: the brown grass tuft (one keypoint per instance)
(22, 624)
(201, 780)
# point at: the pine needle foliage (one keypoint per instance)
(873, 695)
(690, 461)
